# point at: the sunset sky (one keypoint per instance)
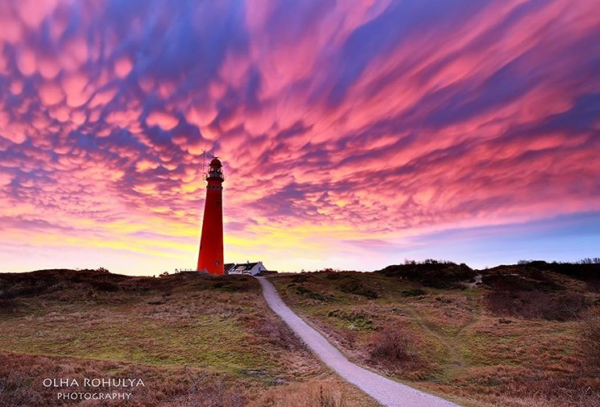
(354, 134)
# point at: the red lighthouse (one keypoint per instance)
(211, 243)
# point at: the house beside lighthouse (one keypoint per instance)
(210, 257)
(250, 269)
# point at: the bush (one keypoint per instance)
(392, 347)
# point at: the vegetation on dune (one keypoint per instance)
(515, 335)
(200, 340)
(431, 273)
(551, 291)
(512, 336)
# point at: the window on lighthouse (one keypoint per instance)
(216, 263)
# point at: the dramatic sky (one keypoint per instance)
(354, 134)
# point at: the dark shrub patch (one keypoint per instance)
(432, 273)
(300, 278)
(232, 285)
(521, 280)
(536, 304)
(416, 292)
(301, 290)
(356, 287)
(8, 306)
(587, 269)
(104, 286)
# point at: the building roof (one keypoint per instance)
(240, 267)
(248, 266)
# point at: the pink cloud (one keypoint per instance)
(162, 119)
(373, 119)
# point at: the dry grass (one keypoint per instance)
(21, 383)
(195, 340)
(590, 340)
(310, 394)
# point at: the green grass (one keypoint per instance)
(132, 334)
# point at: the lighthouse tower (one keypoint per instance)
(210, 258)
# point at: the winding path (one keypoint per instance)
(387, 392)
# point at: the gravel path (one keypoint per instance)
(387, 392)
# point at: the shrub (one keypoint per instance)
(392, 347)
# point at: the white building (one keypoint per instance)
(250, 269)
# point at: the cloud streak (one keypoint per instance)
(345, 129)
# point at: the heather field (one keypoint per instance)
(526, 335)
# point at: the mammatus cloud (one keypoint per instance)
(346, 128)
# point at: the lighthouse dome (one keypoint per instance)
(216, 162)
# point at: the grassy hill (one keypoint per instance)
(521, 335)
(194, 340)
